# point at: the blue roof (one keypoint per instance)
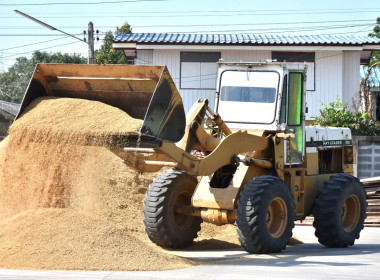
(243, 39)
(374, 77)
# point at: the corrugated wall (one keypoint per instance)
(144, 57)
(171, 58)
(335, 73)
(351, 78)
(328, 81)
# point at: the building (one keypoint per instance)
(8, 112)
(373, 83)
(333, 61)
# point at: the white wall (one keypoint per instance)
(328, 81)
(351, 77)
(335, 72)
(144, 57)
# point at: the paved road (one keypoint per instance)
(304, 261)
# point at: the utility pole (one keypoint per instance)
(91, 54)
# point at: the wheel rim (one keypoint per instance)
(350, 213)
(277, 217)
(182, 221)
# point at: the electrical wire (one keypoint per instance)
(78, 3)
(224, 31)
(283, 11)
(41, 49)
(277, 30)
(199, 25)
(34, 44)
(34, 35)
(133, 15)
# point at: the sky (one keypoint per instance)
(19, 36)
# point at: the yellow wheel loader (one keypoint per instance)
(259, 167)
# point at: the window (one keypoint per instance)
(295, 90)
(308, 57)
(295, 99)
(248, 96)
(199, 70)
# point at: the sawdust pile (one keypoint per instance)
(76, 207)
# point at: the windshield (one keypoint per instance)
(248, 96)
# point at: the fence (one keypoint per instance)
(368, 156)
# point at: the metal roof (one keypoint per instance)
(243, 39)
(374, 77)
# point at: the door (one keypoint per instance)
(292, 115)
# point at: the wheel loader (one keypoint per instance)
(258, 167)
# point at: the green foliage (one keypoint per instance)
(14, 82)
(376, 29)
(106, 55)
(337, 115)
(376, 33)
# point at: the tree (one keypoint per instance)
(337, 115)
(376, 33)
(14, 82)
(366, 96)
(106, 55)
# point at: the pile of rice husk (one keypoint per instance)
(69, 206)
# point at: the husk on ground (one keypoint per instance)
(68, 206)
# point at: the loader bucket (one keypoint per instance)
(143, 92)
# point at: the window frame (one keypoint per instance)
(296, 57)
(284, 101)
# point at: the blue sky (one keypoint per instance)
(20, 36)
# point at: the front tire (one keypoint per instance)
(163, 225)
(265, 215)
(340, 211)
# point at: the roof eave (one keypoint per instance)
(266, 46)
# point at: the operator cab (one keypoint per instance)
(266, 96)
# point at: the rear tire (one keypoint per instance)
(163, 226)
(265, 215)
(340, 211)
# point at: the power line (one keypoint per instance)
(227, 14)
(202, 25)
(257, 31)
(276, 31)
(80, 3)
(33, 44)
(16, 54)
(372, 9)
(41, 49)
(261, 23)
(170, 14)
(29, 35)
